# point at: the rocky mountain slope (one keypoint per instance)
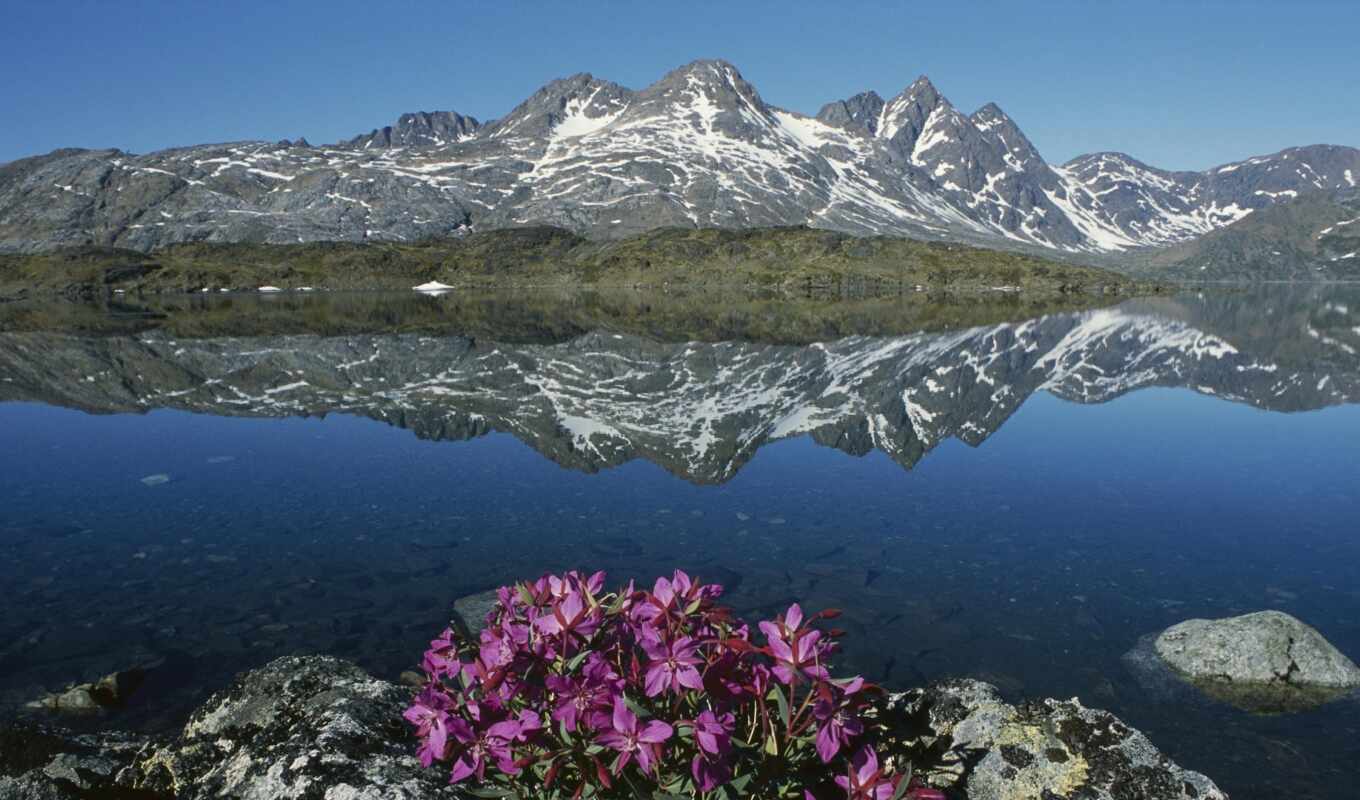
(1312, 237)
(701, 409)
(698, 148)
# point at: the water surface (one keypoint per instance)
(1012, 492)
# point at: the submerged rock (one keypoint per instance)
(965, 738)
(1263, 662)
(109, 692)
(469, 612)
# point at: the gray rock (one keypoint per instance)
(313, 727)
(42, 763)
(1266, 661)
(987, 749)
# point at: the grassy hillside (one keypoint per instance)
(798, 259)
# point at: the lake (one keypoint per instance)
(1017, 492)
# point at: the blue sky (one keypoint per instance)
(1182, 85)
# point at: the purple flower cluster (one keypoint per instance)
(571, 691)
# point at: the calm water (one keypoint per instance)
(1013, 493)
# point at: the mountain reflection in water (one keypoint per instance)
(702, 409)
(1080, 516)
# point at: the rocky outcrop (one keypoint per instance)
(300, 727)
(319, 727)
(968, 740)
(1267, 661)
(42, 763)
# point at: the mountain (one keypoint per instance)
(420, 129)
(702, 409)
(1311, 237)
(698, 148)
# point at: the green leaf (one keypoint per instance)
(739, 783)
(577, 659)
(635, 708)
(777, 695)
(525, 594)
(693, 606)
(903, 784)
(477, 791)
(771, 747)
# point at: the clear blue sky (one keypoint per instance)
(1178, 84)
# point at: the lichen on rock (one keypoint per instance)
(990, 750)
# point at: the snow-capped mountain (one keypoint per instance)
(703, 409)
(700, 147)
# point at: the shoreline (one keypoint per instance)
(322, 726)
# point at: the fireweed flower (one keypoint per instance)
(570, 616)
(837, 722)
(795, 656)
(672, 666)
(475, 747)
(864, 780)
(584, 698)
(429, 713)
(527, 706)
(441, 660)
(712, 765)
(630, 741)
(501, 644)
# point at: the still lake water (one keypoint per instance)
(1013, 493)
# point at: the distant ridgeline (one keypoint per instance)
(699, 148)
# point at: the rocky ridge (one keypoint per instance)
(698, 148)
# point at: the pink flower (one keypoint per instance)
(474, 747)
(429, 713)
(794, 648)
(837, 721)
(626, 738)
(586, 697)
(441, 660)
(865, 781)
(672, 666)
(570, 616)
(711, 766)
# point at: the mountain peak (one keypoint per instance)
(861, 111)
(714, 72)
(706, 82)
(991, 111)
(420, 129)
(579, 94)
